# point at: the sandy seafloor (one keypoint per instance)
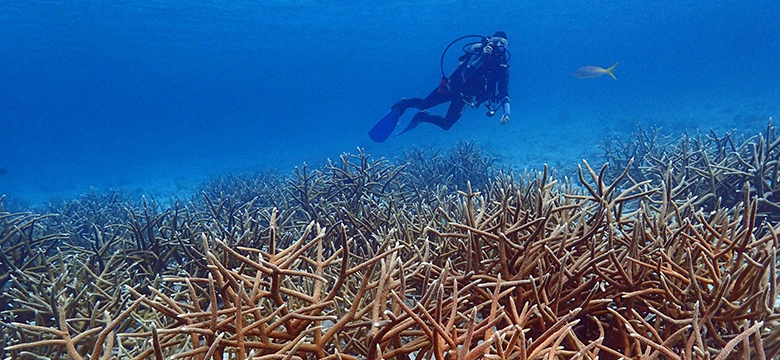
(537, 135)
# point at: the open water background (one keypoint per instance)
(155, 96)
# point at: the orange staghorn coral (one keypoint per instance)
(362, 260)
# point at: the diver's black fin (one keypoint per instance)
(385, 126)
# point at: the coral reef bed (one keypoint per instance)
(707, 166)
(435, 256)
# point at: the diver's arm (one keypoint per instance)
(479, 57)
(507, 110)
(503, 93)
(479, 54)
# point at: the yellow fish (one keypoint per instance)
(587, 72)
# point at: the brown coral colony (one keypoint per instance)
(437, 256)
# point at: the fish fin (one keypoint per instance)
(609, 70)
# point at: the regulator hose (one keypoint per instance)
(441, 62)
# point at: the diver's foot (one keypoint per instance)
(402, 104)
(416, 120)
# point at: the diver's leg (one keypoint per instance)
(455, 111)
(434, 98)
(385, 126)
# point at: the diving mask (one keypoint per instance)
(498, 43)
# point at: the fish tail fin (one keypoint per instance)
(609, 70)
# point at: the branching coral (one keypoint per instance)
(25, 246)
(358, 260)
(708, 167)
(651, 279)
(464, 163)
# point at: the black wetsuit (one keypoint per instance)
(478, 78)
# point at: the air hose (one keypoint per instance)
(441, 62)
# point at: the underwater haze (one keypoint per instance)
(156, 96)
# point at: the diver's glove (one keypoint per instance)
(487, 50)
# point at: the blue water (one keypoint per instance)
(158, 95)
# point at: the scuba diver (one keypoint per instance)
(482, 76)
